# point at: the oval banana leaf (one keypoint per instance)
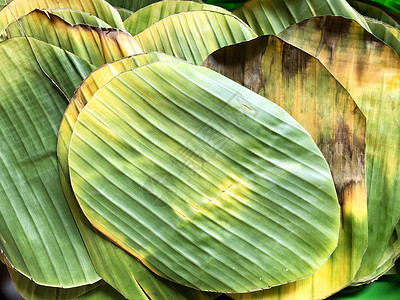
(373, 12)
(193, 35)
(124, 13)
(32, 291)
(153, 13)
(370, 71)
(218, 198)
(302, 86)
(274, 16)
(94, 44)
(114, 265)
(74, 17)
(137, 4)
(39, 237)
(98, 8)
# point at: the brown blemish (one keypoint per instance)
(345, 154)
(294, 61)
(241, 62)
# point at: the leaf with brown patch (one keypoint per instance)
(301, 85)
(370, 71)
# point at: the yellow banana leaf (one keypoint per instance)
(302, 86)
(94, 44)
(370, 71)
(113, 264)
(98, 8)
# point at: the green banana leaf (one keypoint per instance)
(302, 86)
(32, 291)
(388, 34)
(94, 44)
(193, 35)
(124, 13)
(39, 237)
(114, 265)
(274, 16)
(134, 5)
(229, 188)
(103, 292)
(374, 12)
(74, 17)
(370, 71)
(153, 13)
(98, 8)
(393, 5)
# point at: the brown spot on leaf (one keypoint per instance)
(345, 154)
(293, 60)
(241, 62)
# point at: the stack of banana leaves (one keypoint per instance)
(181, 150)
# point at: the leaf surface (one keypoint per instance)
(302, 86)
(114, 265)
(39, 237)
(370, 71)
(137, 4)
(274, 16)
(94, 44)
(193, 35)
(98, 8)
(153, 13)
(74, 17)
(202, 179)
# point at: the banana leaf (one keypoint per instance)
(32, 291)
(393, 5)
(153, 13)
(370, 71)
(39, 237)
(302, 86)
(374, 12)
(114, 265)
(74, 17)
(274, 16)
(232, 184)
(134, 5)
(388, 34)
(94, 44)
(193, 35)
(102, 292)
(124, 13)
(98, 8)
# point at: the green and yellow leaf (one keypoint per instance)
(98, 8)
(74, 17)
(94, 44)
(153, 13)
(302, 86)
(231, 182)
(274, 16)
(370, 71)
(114, 265)
(193, 35)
